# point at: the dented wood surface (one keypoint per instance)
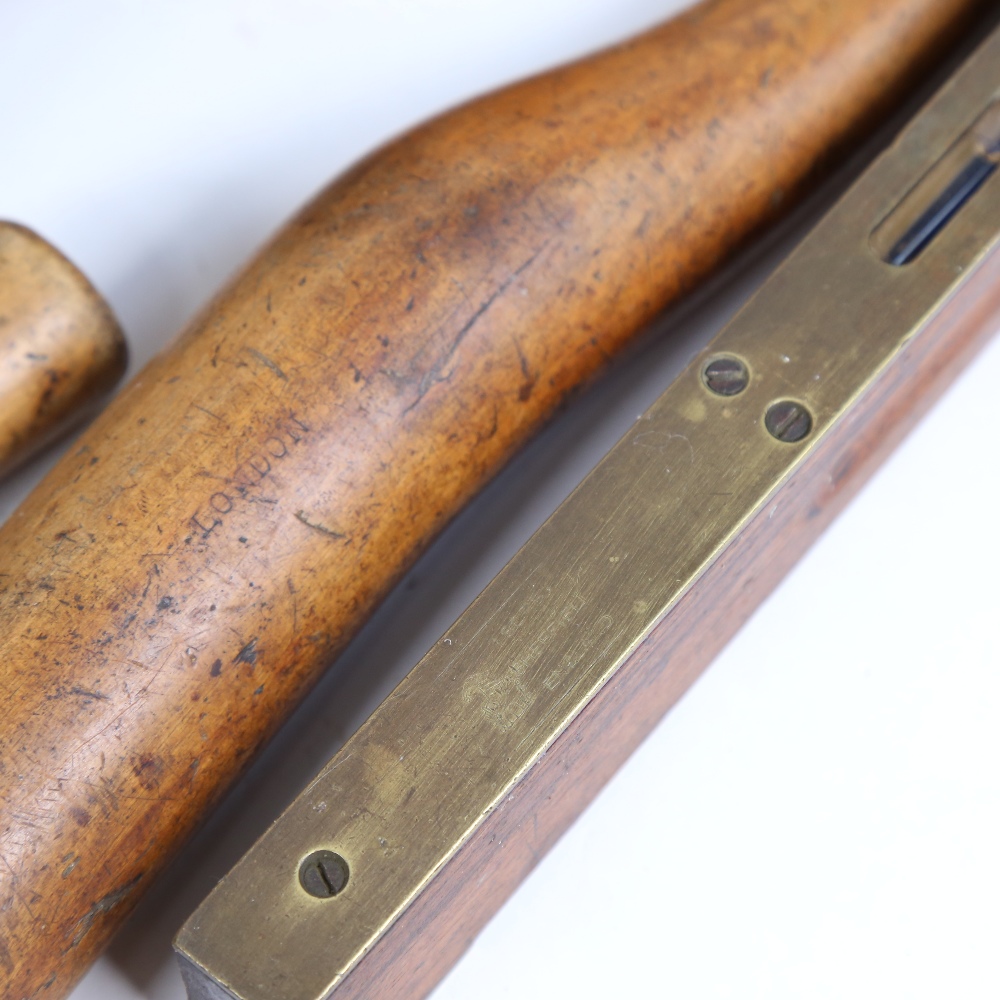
(61, 349)
(177, 582)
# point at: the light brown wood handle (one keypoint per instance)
(177, 583)
(61, 349)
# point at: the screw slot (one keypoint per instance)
(323, 874)
(788, 421)
(726, 376)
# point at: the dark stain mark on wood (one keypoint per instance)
(148, 768)
(329, 532)
(6, 962)
(433, 374)
(80, 816)
(209, 412)
(84, 693)
(266, 362)
(104, 905)
(248, 654)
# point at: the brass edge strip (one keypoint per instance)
(475, 714)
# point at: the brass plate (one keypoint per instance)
(481, 708)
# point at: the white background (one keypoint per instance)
(820, 816)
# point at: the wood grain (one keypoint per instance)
(175, 585)
(61, 349)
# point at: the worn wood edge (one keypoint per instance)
(90, 321)
(438, 926)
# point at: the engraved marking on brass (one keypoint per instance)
(446, 748)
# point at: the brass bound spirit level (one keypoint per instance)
(513, 720)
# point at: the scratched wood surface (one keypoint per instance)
(61, 349)
(177, 582)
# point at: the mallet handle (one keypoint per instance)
(61, 349)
